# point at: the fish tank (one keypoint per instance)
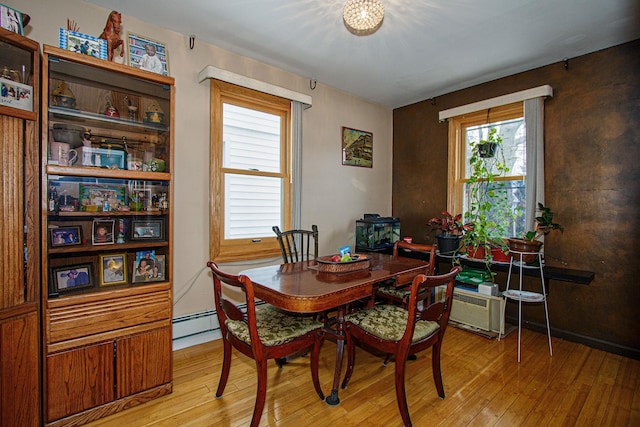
(374, 232)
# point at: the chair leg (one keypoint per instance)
(226, 367)
(315, 356)
(401, 396)
(281, 361)
(437, 373)
(387, 359)
(351, 360)
(261, 393)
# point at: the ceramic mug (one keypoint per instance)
(61, 153)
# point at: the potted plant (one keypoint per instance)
(529, 242)
(487, 147)
(489, 210)
(452, 230)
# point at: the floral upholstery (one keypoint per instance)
(394, 292)
(274, 326)
(389, 322)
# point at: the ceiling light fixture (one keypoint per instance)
(363, 17)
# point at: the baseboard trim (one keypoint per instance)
(608, 346)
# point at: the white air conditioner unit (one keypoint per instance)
(474, 309)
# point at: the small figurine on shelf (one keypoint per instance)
(111, 34)
(133, 110)
(120, 238)
(111, 111)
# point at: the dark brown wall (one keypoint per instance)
(592, 175)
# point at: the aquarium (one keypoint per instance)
(374, 232)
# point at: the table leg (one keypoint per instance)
(333, 398)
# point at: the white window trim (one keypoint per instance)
(523, 95)
(211, 72)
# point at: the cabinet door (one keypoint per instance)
(79, 379)
(143, 361)
(19, 391)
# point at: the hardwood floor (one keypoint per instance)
(484, 386)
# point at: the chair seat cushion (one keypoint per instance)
(389, 323)
(392, 291)
(275, 326)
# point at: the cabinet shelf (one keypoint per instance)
(103, 248)
(83, 214)
(92, 119)
(95, 172)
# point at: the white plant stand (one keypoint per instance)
(525, 296)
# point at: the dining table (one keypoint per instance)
(302, 287)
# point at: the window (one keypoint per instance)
(250, 172)
(511, 186)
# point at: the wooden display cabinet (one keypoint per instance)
(19, 231)
(107, 232)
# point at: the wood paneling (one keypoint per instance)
(19, 371)
(592, 184)
(11, 211)
(79, 379)
(151, 351)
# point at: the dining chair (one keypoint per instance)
(402, 331)
(389, 293)
(297, 245)
(261, 334)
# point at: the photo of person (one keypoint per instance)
(11, 20)
(103, 232)
(65, 236)
(149, 61)
(113, 269)
(143, 266)
(71, 278)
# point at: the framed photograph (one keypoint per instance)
(147, 230)
(103, 232)
(148, 267)
(65, 236)
(71, 278)
(101, 198)
(147, 54)
(11, 19)
(357, 147)
(113, 269)
(83, 43)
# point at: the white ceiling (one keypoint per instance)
(424, 48)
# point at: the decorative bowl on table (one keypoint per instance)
(357, 263)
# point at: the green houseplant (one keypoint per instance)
(529, 242)
(451, 228)
(489, 210)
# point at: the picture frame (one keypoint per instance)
(357, 147)
(71, 278)
(148, 267)
(149, 230)
(65, 236)
(113, 269)
(141, 51)
(83, 43)
(11, 19)
(102, 232)
(101, 198)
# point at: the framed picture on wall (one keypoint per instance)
(147, 54)
(357, 147)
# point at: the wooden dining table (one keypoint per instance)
(301, 288)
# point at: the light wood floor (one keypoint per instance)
(484, 384)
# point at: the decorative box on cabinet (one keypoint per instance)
(107, 231)
(19, 232)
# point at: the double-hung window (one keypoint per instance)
(511, 186)
(251, 172)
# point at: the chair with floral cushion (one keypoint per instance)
(400, 295)
(403, 331)
(261, 334)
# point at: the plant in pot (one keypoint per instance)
(489, 209)
(452, 230)
(529, 244)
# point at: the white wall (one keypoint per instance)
(334, 196)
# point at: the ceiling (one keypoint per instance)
(424, 48)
